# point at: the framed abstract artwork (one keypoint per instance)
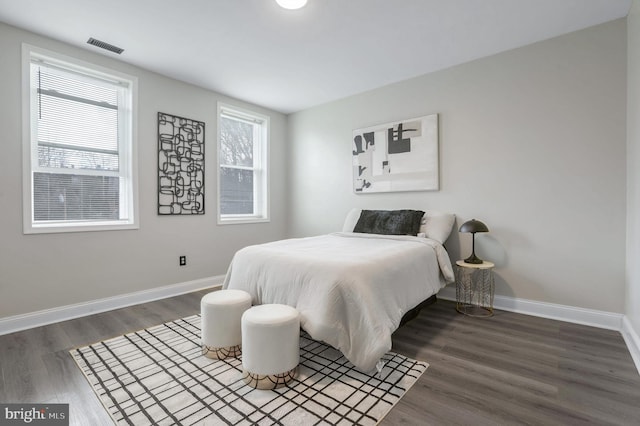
(397, 156)
(180, 165)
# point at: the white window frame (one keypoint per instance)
(261, 188)
(127, 140)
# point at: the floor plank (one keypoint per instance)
(507, 369)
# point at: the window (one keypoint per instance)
(242, 166)
(79, 146)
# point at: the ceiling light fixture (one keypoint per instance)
(291, 4)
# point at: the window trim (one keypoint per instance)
(29, 157)
(264, 193)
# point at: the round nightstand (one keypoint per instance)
(474, 288)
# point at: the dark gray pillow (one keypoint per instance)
(389, 222)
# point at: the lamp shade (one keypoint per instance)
(473, 226)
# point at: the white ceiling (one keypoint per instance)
(291, 60)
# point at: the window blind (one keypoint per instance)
(76, 173)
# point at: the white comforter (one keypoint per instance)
(351, 289)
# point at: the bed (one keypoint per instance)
(352, 289)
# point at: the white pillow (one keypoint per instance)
(437, 225)
(351, 220)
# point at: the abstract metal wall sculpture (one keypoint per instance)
(180, 165)
(399, 156)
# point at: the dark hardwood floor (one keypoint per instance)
(515, 369)
(508, 369)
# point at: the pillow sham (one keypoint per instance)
(351, 219)
(389, 222)
(437, 225)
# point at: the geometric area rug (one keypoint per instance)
(158, 376)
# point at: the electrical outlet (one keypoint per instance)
(183, 260)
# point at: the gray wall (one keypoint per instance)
(50, 270)
(633, 170)
(532, 142)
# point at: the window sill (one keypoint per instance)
(87, 227)
(235, 220)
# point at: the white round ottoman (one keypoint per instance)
(221, 314)
(270, 345)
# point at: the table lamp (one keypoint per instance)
(473, 226)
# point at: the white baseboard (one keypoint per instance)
(63, 313)
(632, 340)
(591, 317)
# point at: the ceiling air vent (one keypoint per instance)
(102, 45)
